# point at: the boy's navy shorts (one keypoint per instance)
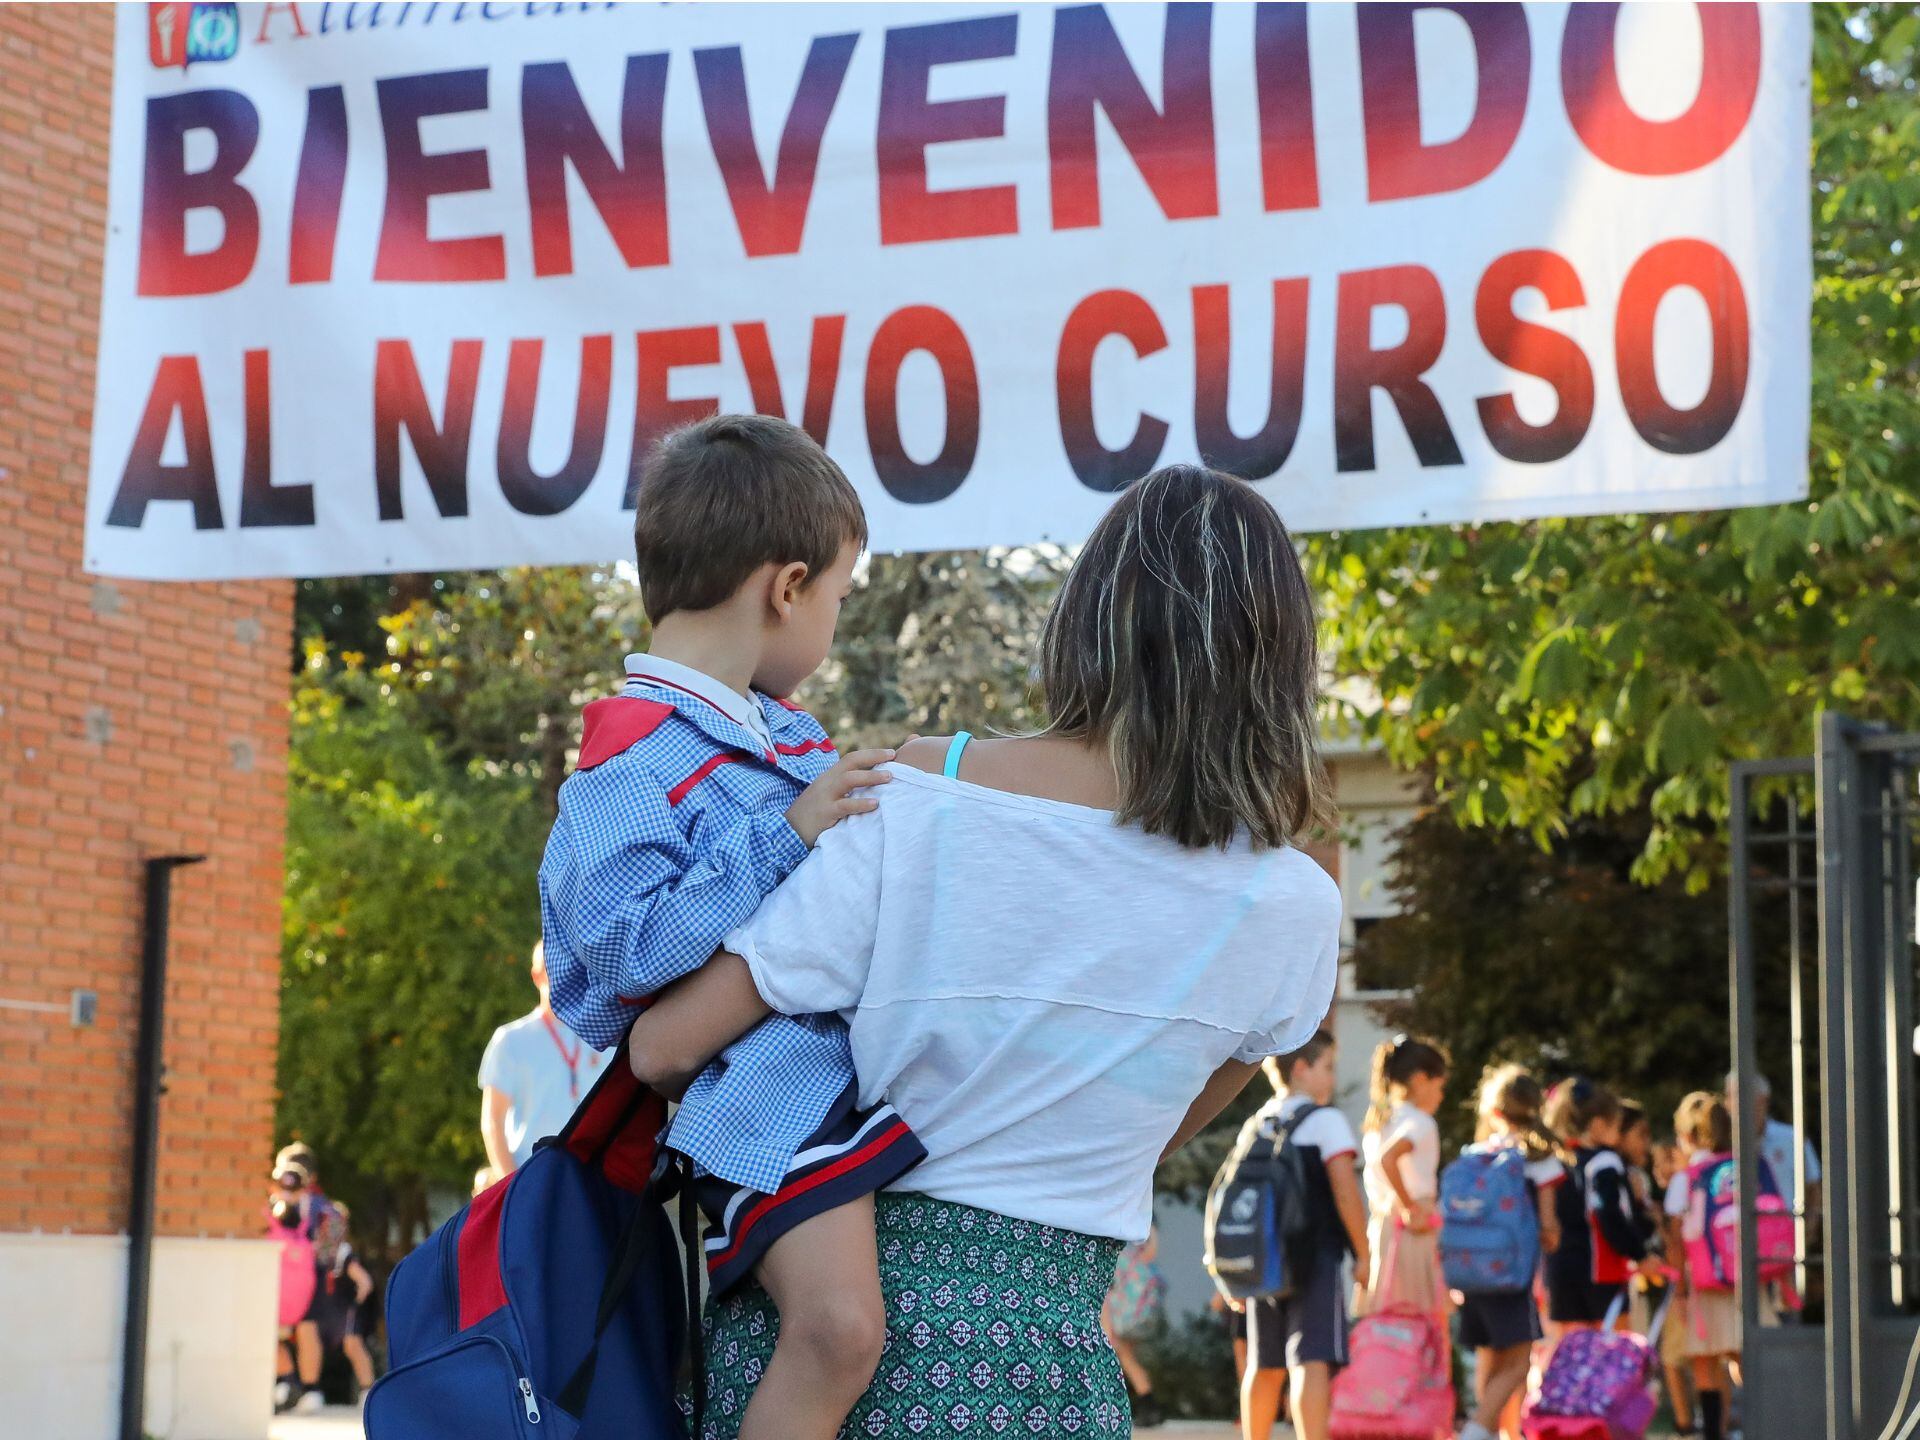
(1573, 1298)
(1498, 1322)
(1307, 1327)
(854, 1152)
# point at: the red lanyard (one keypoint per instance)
(573, 1060)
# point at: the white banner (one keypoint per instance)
(408, 286)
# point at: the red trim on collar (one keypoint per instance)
(806, 748)
(617, 724)
(789, 705)
(707, 767)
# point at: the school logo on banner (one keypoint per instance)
(178, 35)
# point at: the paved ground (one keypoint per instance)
(341, 1423)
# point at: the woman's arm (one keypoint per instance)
(1221, 1088)
(694, 1020)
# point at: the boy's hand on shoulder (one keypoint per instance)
(838, 794)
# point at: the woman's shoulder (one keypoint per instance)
(925, 752)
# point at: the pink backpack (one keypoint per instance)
(1598, 1376)
(1712, 1227)
(298, 1279)
(1397, 1383)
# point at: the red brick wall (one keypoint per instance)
(135, 720)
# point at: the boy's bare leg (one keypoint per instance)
(1261, 1392)
(1312, 1399)
(692, 1021)
(824, 1275)
(1505, 1375)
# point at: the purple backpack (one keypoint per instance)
(1602, 1375)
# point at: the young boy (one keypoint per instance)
(1304, 1337)
(697, 790)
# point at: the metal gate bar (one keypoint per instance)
(1865, 813)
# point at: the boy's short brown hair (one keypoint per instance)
(722, 497)
(1280, 1067)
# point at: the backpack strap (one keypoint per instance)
(628, 1252)
(1287, 1127)
(956, 747)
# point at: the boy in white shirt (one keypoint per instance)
(1303, 1338)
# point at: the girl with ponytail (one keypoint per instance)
(1402, 1152)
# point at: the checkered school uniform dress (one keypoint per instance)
(671, 830)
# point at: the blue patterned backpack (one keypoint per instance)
(1489, 1228)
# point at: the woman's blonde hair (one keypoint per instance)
(1184, 640)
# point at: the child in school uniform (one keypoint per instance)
(1401, 1150)
(698, 789)
(1600, 1246)
(1705, 1128)
(1670, 1160)
(1646, 1294)
(1303, 1338)
(1501, 1328)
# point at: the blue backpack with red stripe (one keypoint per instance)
(554, 1306)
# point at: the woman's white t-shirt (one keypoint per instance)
(1039, 991)
(1419, 1167)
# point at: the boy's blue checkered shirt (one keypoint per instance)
(659, 850)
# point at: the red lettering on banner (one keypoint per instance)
(1729, 81)
(268, 11)
(1359, 369)
(176, 391)
(661, 352)
(169, 191)
(414, 177)
(771, 216)
(1399, 164)
(262, 502)
(400, 405)
(527, 489)
(1255, 456)
(630, 193)
(1172, 145)
(922, 327)
(1283, 77)
(823, 372)
(318, 187)
(1128, 316)
(909, 123)
(1534, 350)
(1698, 266)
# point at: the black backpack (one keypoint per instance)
(1260, 1211)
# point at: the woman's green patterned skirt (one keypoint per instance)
(993, 1328)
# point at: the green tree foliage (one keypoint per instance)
(1569, 668)
(421, 787)
(934, 643)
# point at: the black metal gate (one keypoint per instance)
(1823, 866)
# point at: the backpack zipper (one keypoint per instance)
(530, 1403)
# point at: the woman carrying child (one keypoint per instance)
(1501, 1327)
(1059, 955)
(1401, 1149)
